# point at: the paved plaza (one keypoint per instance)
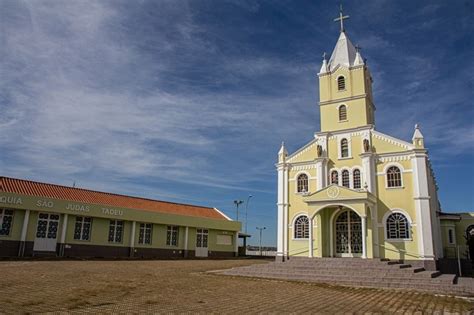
(184, 286)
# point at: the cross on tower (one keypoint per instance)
(341, 18)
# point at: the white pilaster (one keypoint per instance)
(321, 173)
(132, 239)
(186, 236)
(24, 230)
(280, 215)
(375, 232)
(64, 229)
(236, 244)
(364, 236)
(310, 238)
(285, 213)
(422, 205)
(368, 165)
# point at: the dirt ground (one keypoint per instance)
(183, 286)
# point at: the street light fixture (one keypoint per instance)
(261, 229)
(237, 203)
(246, 209)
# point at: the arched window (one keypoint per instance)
(334, 177)
(356, 179)
(345, 178)
(397, 226)
(342, 113)
(344, 148)
(302, 227)
(394, 177)
(302, 183)
(341, 83)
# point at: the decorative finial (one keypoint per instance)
(358, 48)
(417, 126)
(341, 18)
(324, 56)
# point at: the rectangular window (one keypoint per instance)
(224, 240)
(172, 236)
(115, 231)
(6, 218)
(82, 228)
(451, 236)
(144, 236)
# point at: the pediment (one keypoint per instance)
(334, 193)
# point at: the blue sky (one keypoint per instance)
(188, 101)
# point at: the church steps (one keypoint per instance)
(353, 276)
(345, 269)
(445, 288)
(356, 272)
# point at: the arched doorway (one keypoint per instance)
(348, 234)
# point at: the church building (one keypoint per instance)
(353, 191)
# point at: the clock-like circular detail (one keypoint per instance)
(333, 192)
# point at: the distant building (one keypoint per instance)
(353, 191)
(44, 219)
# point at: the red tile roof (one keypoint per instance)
(26, 187)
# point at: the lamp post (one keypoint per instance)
(261, 229)
(246, 209)
(237, 203)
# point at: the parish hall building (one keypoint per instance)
(40, 219)
(353, 191)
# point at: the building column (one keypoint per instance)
(24, 230)
(368, 166)
(62, 241)
(186, 237)
(310, 238)
(282, 226)
(422, 205)
(132, 239)
(236, 244)
(321, 173)
(364, 236)
(285, 214)
(375, 232)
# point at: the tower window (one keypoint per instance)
(342, 113)
(344, 148)
(356, 176)
(345, 178)
(302, 183)
(341, 83)
(334, 177)
(394, 177)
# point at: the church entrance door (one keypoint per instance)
(348, 234)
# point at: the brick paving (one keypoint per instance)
(184, 286)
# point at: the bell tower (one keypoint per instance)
(345, 87)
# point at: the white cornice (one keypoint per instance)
(341, 100)
(351, 131)
(302, 150)
(303, 166)
(392, 140)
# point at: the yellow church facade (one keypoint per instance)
(353, 191)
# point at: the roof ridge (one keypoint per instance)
(101, 192)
